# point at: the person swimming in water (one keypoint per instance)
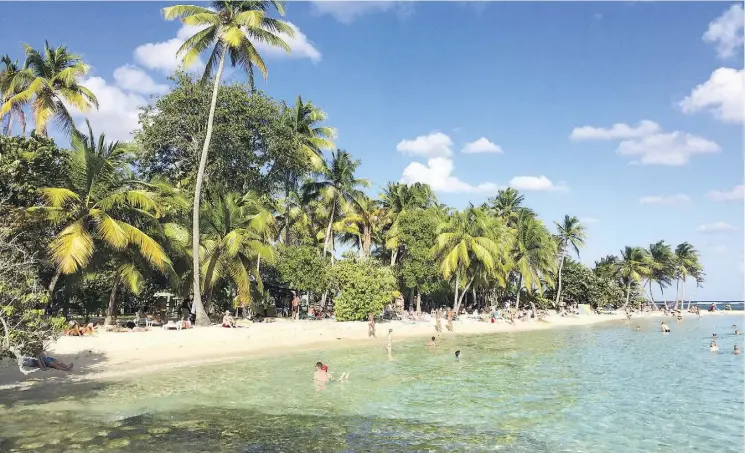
(737, 350)
(713, 347)
(664, 327)
(637, 328)
(321, 374)
(457, 354)
(432, 342)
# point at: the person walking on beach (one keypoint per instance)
(371, 325)
(450, 320)
(438, 325)
(295, 306)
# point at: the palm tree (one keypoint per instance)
(230, 29)
(570, 233)
(469, 244)
(9, 87)
(661, 266)
(232, 240)
(101, 204)
(533, 254)
(633, 267)
(686, 263)
(506, 205)
(338, 189)
(360, 222)
(395, 201)
(313, 138)
(49, 81)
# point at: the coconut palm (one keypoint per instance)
(360, 222)
(506, 205)
(233, 238)
(635, 264)
(470, 244)
(686, 263)
(100, 205)
(661, 266)
(337, 188)
(9, 87)
(533, 255)
(396, 200)
(571, 236)
(50, 81)
(230, 29)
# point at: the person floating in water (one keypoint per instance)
(44, 362)
(736, 351)
(432, 342)
(713, 347)
(322, 374)
(664, 327)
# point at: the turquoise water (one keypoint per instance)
(595, 389)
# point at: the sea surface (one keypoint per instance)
(603, 388)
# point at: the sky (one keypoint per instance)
(628, 115)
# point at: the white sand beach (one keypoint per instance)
(109, 355)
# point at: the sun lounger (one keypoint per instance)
(172, 325)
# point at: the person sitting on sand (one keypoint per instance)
(43, 362)
(713, 347)
(664, 327)
(227, 320)
(736, 351)
(321, 374)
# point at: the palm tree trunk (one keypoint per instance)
(208, 280)
(53, 284)
(109, 320)
(418, 302)
(651, 295)
(455, 299)
(258, 264)
(628, 294)
(683, 293)
(462, 296)
(394, 254)
(366, 241)
(519, 287)
(677, 292)
(202, 318)
(328, 231)
(287, 209)
(558, 289)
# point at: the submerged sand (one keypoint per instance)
(109, 355)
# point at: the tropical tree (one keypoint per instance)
(229, 28)
(686, 264)
(337, 188)
(49, 81)
(100, 204)
(471, 242)
(507, 205)
(533, 255)
(662, 266)
(635, 264)
(233, 238)
(360, 222)
(9, 87)
(396, 200)
(570, 236)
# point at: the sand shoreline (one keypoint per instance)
(114, 356)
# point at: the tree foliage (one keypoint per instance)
(301, 267)
(27, 164)
(365, 287)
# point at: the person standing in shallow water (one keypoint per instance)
(450, 320)
(371, 325)
(438, 325)
(664, 327)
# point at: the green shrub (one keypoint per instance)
(364, 285)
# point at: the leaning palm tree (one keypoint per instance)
(635, 265)
(662, 267)
(9, 87)
(533, 254)
(100, 204)
(50, 81)
(338, 188)
(232, 240)
(686, 263)
(231, 28)
(570, 234)
(470, 244)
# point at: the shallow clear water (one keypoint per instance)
(594, 389)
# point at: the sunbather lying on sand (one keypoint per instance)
(43, 362)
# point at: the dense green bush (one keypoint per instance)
(365, 286)
(302, 268)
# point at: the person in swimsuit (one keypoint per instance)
(44, 362)
(438, 325)
(664, 327)
(321, 374)
(295, 306)
(736, 351)
(713, 347)
(450, 320)
(371, 325)
(637, 328)
(431, 343)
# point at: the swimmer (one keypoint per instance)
(736, 351)
(664, 327)
(321, 374)
(457, 354)
(713, 347)
(431, 342)
(637, 328)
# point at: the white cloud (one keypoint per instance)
(618, 131)
(660, 199)
(438, 173)
(588, 220)
(737, 193)
(117, 115)
(674, 148)
(726, 32)
(347, 12)
(482, 145)
(716, 227)
(721, 95)
(536, 183)
(435, 144)
(718, 249)
(136, 80)
(161, 56)
(299, 44)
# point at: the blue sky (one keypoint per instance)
(410, 85)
